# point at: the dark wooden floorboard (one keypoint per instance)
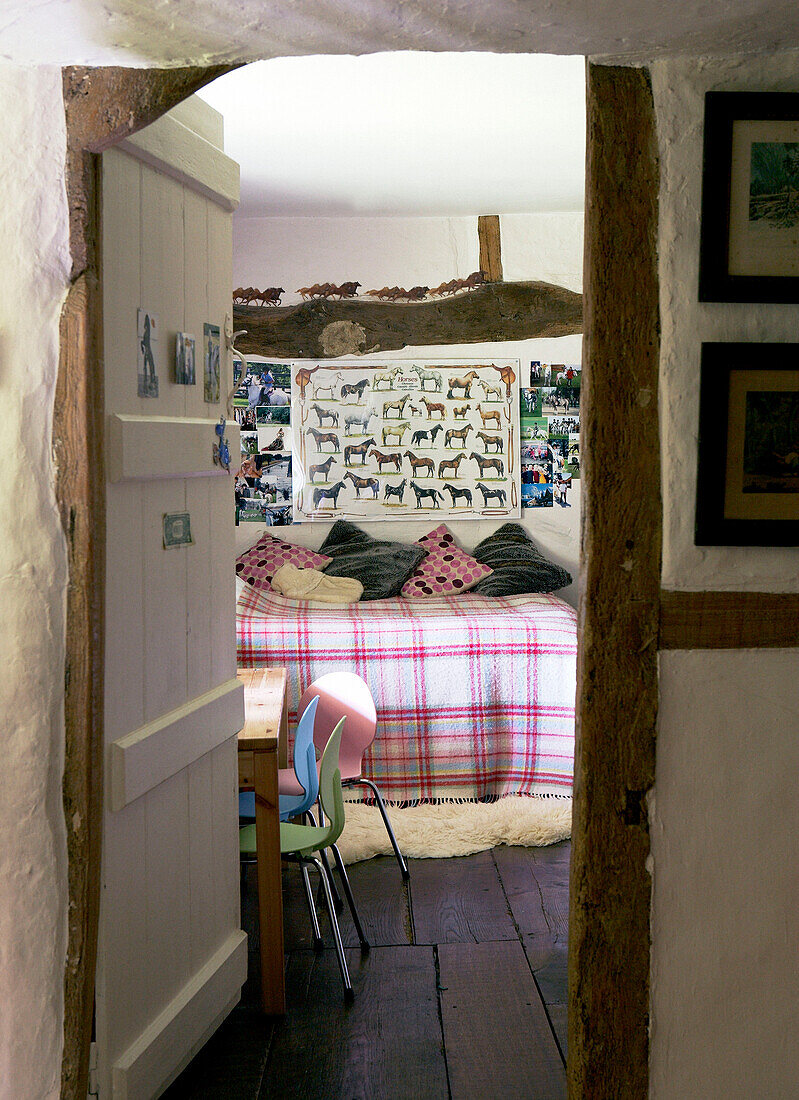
(458, 900)
(386, 1046)
(497, 1036)
(499, 1017)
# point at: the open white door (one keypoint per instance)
(172, 956)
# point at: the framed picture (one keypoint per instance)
(749, 244)
(748, 472)
(184, 359)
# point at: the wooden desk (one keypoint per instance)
(260, 743)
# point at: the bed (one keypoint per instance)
(475, 694)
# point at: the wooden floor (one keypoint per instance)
(462, 995)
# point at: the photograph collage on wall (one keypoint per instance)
(550, 434)
(391, 439)
(261, 407)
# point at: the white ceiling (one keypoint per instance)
(406, 134)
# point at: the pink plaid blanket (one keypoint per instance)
(474, 694)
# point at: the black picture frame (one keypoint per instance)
(724, 450)
(726, 216)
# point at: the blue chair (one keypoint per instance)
(304, 776)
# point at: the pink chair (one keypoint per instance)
(345, 695)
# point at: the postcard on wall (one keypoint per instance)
(397, 438)
(184, 359)
(147, 329)
(211, 360)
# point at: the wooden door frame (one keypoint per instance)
(619, 615)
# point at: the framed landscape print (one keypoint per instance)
(748, 471)
(749, 245)
(391, 439)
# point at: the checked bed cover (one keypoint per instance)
(474, 694)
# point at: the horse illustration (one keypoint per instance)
(358, 449)
(489, 389)
(451, 464)
(434, 495)
(490, 414)
(462, 383)
(460, 412)
(430, 435)
(395, 430)
(492, 441)
(456, 492)
(428, 376)
(457, 433)
(363, 483)
(489, 494)
(434, 407)
(322, 468)
(355, 388)
(398, 405)
(486, 463)
(418, 463)
(395, 490)
(325, 414)
(361, 419)
(394, 457)
(332, 493)
(317, 390)
(324, 437)
(389, 376)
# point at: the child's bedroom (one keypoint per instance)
(352, 289)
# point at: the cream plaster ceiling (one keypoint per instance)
(171, 32)
(406, 134)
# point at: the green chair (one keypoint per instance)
(300, 843)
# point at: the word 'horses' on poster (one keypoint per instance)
(393, 439)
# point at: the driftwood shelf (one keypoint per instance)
(493, 312)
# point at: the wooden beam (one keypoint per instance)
(729, 620)
(488, 234)
(101, 106)
(617, 693)
(494, 312)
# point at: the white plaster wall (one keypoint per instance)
(725, 932)
(679, 87)
(725, 1006)
(33, 884)
(294, 252)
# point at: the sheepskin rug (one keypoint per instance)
(455, 828)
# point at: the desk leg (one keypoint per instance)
(270, 896)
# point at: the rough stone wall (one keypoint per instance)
(33, 282)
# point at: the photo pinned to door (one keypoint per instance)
(185, 347)
(147, 329)
(211, 359)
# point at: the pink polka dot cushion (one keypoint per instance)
(259, 564)
(446, 569)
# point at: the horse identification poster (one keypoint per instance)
(391, 439)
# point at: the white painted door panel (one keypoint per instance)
(172, 957)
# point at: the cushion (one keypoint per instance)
(518, 565)
(259, 564)
(381, 566)
(446, 568)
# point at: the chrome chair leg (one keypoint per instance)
(323, 854)
(381, 806)
(318, 942)
(345, 882)
(331, 909)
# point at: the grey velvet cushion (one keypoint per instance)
(518, 565)
(381, 566)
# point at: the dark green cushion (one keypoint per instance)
(519, 567)
(381, 566)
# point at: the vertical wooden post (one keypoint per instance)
(490, 247)
(617, 693)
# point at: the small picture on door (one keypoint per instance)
(211, 362)
(184, 359)
(147, 329)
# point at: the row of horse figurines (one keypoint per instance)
(367, 450)
(421, 492)
(357, 389)
(251, 296)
